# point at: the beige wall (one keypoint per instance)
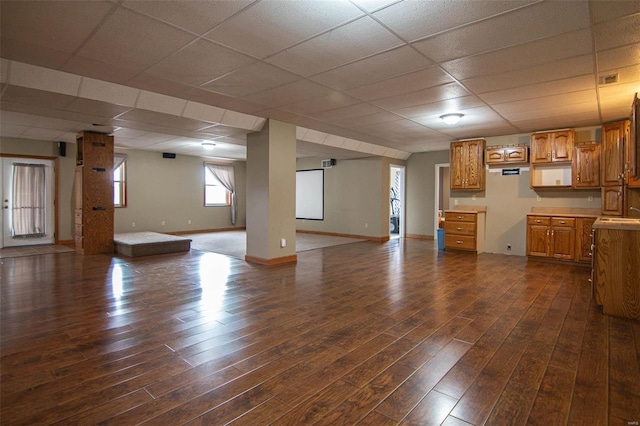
(66, 169)
(172, 190)
(356, 196)
(157, 190)
(508, 198)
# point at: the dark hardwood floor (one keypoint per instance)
(364, 333)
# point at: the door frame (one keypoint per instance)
(436, 200)
(403, 178)
(55, 190)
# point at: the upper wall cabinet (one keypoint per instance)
(586, 166)
(506, 155)
(467, 165)
(552, 147)
(613, 143)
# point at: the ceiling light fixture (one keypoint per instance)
(451, 119)
(208, 146)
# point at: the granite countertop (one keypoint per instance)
(619, 223)
(468, 209)
(564, 211)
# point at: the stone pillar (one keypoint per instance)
(271, 194)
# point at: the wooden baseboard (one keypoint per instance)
(270, 262)
(336, 234)
(70, 243)
(206, 231)
(420, 237)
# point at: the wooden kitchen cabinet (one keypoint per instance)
(613, 142)
(464, 229)
(586, 166)
(616, 270)
(94, 211)
(467, 165)
(552, 147)
(504, 155)
(559, 237)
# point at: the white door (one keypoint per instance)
(31, 222)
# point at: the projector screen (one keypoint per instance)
(310, 194)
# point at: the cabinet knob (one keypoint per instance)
(458, 242)
(562, 222)
(538, 221)
(459, 229)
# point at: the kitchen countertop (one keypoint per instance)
(619, 223)
(564, 211)
(468, 209)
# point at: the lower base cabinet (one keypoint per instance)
(464, 230)
(559, 237)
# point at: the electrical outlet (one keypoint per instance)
(473, 197)
(189, 222)
(162, 223)
(366, 225)
(508, 246)
(283, 242)
(539, 198)
(590, 198)
(133, 224)
(455, 202)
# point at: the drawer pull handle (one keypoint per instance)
(459, 217)
(459, 229)
(590, 280)
(458, 242)
(538, 221)
(562, 222)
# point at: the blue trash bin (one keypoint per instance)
(440, 238)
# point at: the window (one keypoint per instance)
(119, 182)
(214, 193)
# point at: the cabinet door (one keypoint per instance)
(583, 238)
(612, 200)
(474, 178)
(562, 146)
(516, 154)
(613, 153)
(495, 155)
(538, 240)
(586, 166)
(563, 241)
(457, 165)
(540, 148)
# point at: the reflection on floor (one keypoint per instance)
(33, 250)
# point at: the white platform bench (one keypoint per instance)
(134, 244)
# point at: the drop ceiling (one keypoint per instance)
(358, 78)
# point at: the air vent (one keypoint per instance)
(608, 79)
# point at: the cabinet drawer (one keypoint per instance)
(459, 228)
(462, 242)
(463, 217)
(538, 220)
(563, 221)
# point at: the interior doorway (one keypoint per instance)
(396, 202)
(442, 193)
(28, 212)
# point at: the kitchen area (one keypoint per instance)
(580, 205)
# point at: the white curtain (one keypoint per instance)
(28, 201)
(226, 177)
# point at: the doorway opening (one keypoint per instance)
(396, 202)
(442, 194)
(28, 212)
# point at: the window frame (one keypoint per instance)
(123, 186)
(228, 193)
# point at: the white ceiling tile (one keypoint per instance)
(129, 133)
(364, 120)
(154, 40)
(11, 130)
(351, 144)
(439, 108)
(250, 79)
(523, 106)
(203, 112)
(421, 97)
(156, 121)
(18, 118)
(44, 79)
(619, 91)
(199, 62)
(96, 108)
(372, 5)
(314, 136)
(373, 69)
(237, 119)
(333, 100)
(154, 83)
(417, 19)
(300, 132)
(333, 140)
(356, 110)
(252, 31)
(45, 134)
(573, 84)
(607, 10)
(542, 19)
(108, 71)
(108, 92)
(197, 16)
(618, 58)
(411, 82)
(348, 43)
(160, 103)
(63, 26)
(297, 91)
(554, 111)
(620, 32)
(55, 124)
(34, 98)
(566, 68)
(522, 56)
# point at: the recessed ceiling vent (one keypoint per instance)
(608, 79)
